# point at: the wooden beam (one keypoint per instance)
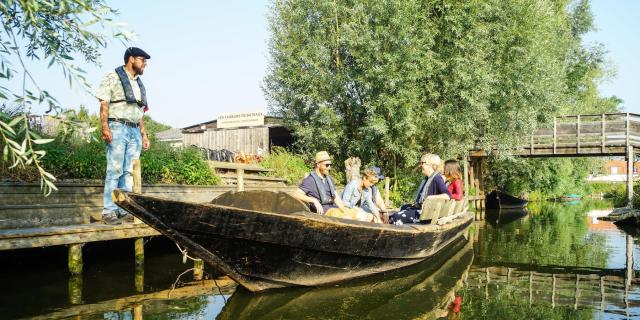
(54, 236)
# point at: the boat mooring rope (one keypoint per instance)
(184, 254)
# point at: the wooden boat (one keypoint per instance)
(422, 291)
(501, 200)
(265, 240)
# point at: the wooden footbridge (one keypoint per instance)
(613, 134)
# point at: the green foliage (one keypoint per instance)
(385, 80)
(162, 163)
(71, 158)
(285, 164)
(551, 178)
(53, 31)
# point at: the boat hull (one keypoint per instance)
(263, 250)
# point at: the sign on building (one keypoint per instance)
(243, 119)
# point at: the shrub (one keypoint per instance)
(69, 158)
(286, 164)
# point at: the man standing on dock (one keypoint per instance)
(123, 102)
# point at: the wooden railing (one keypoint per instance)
(603, 134)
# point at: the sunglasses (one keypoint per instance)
(327, 164)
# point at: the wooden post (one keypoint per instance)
(139, 278)
(139, 251)
(137, 182)
(531, 148)
(603, 135)
(480, 176)
(352, 168)
(240, 181)
(578, 135)
(465, 170)
(577, 294)
(75, 289)
(629, 159)
(627, 129)
(530, 288)
(471, 171)
(553, 291)
(139, 259)
(75, 258)
(602, 294)
(629, 264)
(387, 182)
(138, 312)
(554, 135)
(198, 269)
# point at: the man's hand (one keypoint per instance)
(318, 206)
(106, 134)
(145, 142)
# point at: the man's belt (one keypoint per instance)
(125, 122)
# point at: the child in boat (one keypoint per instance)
(431, 187)
(359, 194)
(453, 178)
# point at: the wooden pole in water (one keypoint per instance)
(240, 179)
(137, 181)
(75, 289)
(138, 312)
(198, 269)
(75, 258)
(139, 278)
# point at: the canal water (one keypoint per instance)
(554, 261)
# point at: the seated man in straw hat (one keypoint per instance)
(319, 192)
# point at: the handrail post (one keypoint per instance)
(627, 129)
(554, 135)
(603, 135)
(578, 134)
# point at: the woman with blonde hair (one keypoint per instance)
(431, 187)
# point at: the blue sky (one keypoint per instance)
(210, 57)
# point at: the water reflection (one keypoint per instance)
(553, 261)
(421, 291)
(556, 263)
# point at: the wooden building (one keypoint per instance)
(250, 133)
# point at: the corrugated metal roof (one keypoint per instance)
(171, 134)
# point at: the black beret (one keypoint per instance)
(135, 52)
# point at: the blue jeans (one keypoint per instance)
(125, 147)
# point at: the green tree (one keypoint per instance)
(53, 31)
(386, 80)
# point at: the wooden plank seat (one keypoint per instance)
(440, 211)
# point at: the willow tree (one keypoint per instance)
(387, 80)
(57, 32)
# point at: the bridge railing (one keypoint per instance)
(586, 134)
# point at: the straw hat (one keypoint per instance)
(322, 156)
